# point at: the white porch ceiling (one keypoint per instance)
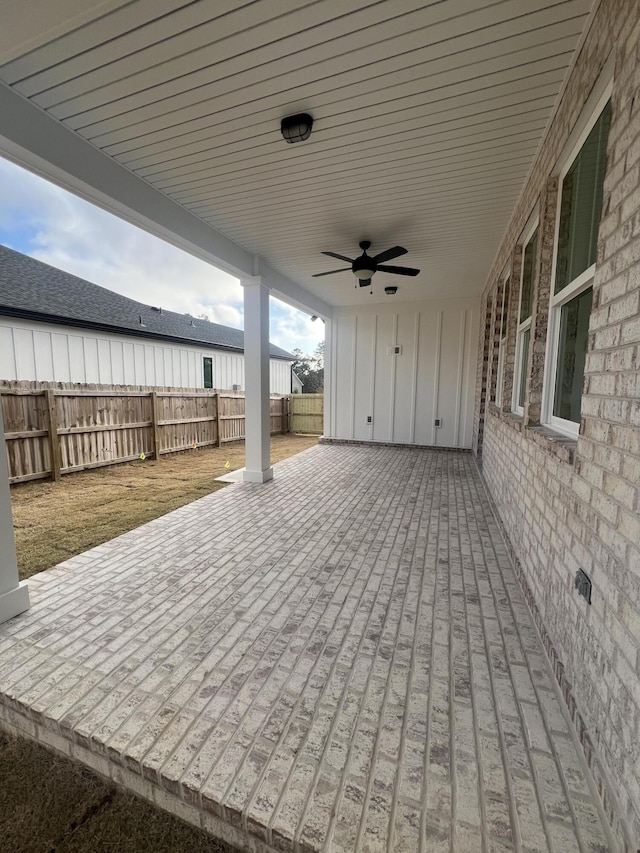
(427, 116)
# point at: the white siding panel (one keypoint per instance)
(25, 357)
(158, 355)
(117, 362)
(76, 359)
(7, 356)
(175, 364)
(42, 356)
(168, 366)
(402, 364)
(60, 351)
(184, 368)
(385, 378)
(363, 391)
(345, 341)
(195, 370)
(104, 362)
(128, 355)
(432, 375)
(91, 367)
(140, 372)
(427, 376)
(150, 365)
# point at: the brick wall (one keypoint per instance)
(568, 505)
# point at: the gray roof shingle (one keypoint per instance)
(31, 288)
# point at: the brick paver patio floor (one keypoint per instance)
(339, 660)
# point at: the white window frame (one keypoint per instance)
(502, 342)
(574, 288)
(525, 325)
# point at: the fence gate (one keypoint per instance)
(306, 413)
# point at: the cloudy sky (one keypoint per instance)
(54, 226)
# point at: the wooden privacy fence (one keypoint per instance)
(306, 413)
(56, 429)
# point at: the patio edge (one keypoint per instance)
(17, 725)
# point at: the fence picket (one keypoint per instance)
(55, 428)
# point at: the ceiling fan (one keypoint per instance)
(365, 266)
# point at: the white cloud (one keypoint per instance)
(54, 226)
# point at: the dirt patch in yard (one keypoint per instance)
(55, 521)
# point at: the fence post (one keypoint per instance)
(285, 415)
(219, 431)
(154, 425)
(54, 439)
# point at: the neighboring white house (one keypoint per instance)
(55, 327)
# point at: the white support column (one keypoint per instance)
(14, 596)
(256, 370)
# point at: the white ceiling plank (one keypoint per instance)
(121, 36)
(324, 60)
(414, 143)
(441, 87)
(28, 24)
(367, 122)
(260, 26)
(272, 93)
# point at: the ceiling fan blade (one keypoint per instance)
(390, 254)
(398, 270)
(339, 257)
(331, 272)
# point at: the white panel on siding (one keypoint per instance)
(404, 377)
(76, 359)
(168, 366)
(150, 365)
(384, 367)
(117, 362)
(128, 356)
(426, 379)
(7, 356)
(363, 396)
(196, 370)
(158, 356)
(43, 356)
(449, 390)
(104, 362)
(184, 368)
(92, 371)
(60, 350)
(23, 348)
(139, 365)
(279, 377)
(175, 363)
(345, 377)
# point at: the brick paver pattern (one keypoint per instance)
(339, 660)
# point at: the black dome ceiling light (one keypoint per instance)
(364, 266)
(296, 128)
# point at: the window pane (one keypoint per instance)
(528, 273)
(524, 355)
(572, 350)
(581, 205)
(208, 372)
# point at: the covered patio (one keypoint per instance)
(340, 659)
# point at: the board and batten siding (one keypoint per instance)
(433, 376)
(43, 352)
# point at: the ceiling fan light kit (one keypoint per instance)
(296, 128)
(365, 266)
